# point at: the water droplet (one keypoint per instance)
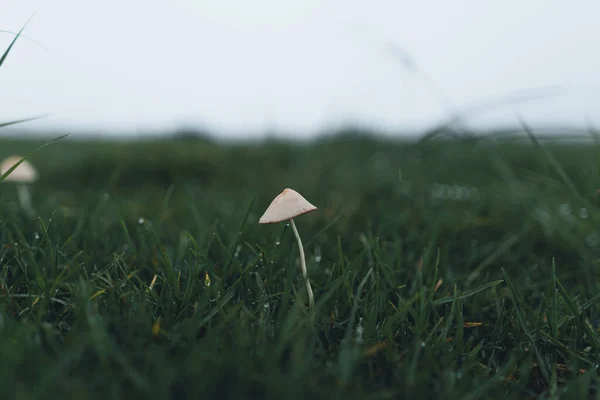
(445, 192)
(465, 193)
(36, 236)
(266, 306)
(456, 192)
(141, 221)
(277, 243)
(359, 332)
(593, 239)
(542, 215)
(318, 259)
(237, 251)
(565, 209)
(422, 344)
(437, 190)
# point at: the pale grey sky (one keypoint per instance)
(247, 67)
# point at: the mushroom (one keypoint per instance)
(22, 175)
(288, 205)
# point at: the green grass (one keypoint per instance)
(449, 270)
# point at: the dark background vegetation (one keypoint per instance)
(432, 265)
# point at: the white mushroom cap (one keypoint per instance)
(287, 205)
(24, 173)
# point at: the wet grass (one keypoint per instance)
(454, 269)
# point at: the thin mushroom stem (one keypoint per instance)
(25, 198)
(311, 299)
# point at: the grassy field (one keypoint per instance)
(453, 269)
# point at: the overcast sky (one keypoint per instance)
(250, 67)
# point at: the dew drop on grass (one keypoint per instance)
(359, 332)
(141, 221)
(456, 192)
(422, 344)
(593, 239)
(277, 243)
(445, 192)
(465, 193)
(36, 236)
(237, 251)
(565, 209)
(317, 257)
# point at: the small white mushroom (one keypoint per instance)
(23, 175)
(288, 205)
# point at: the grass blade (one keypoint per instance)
(522, 321)
(3, 58)
(467, 293)
(11, 169)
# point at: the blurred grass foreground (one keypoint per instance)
(452, 269)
